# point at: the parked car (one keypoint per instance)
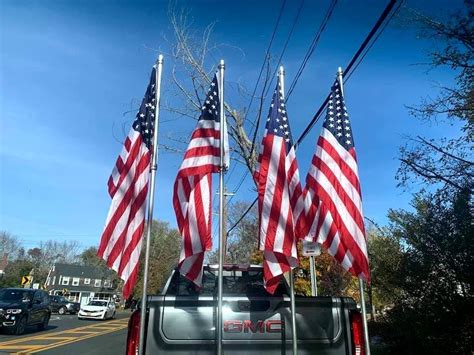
(61, 305)
(22, 307)
(97, 309)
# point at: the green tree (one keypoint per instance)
(433, 311)
(165, 246)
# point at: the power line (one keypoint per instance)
(362, 47)
(265, 92)
(356, 56)
(277, 23)
(312, 47)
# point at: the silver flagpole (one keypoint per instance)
(361, 283)
(314, 286)
(221, 209)
(281, 75)
(364, 317)
(151, 196)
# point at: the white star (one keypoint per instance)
(331, 125)
(331, 119)
(348, 135)
(339, 128)
(275, 130)
(347, 128)
(287, 140)
(339, 134)
(331, 113)
(348, 142)
(142, 115)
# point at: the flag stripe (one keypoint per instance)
(193, 188)
(121, 240)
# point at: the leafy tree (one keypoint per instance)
(445, 162)
(9, 245)
(432, 313)
(165, 246)
(14, 271)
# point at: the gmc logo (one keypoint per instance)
(247, 326)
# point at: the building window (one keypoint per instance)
(97, 283)
(75, 281)
(87, 281)
(65, 280)
(54, 280)
(108, 283)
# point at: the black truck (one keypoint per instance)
(182, 318)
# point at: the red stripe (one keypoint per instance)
(345, 168)
(205, 133)
(125, 168)
(142, 166)
(345, 236)
(130, 282)
(353, 210)
(120, 247)
(135, 240)
(201, 152)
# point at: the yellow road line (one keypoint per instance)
(63, 337)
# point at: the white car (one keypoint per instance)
(97, 309)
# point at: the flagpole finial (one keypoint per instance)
(339, 71)
(160, 59)
(281, 71)
(221, 64)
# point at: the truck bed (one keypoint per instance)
(182, 319)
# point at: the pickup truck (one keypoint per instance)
(182, 318)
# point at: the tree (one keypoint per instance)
(446, 163)
(9, 245)
(434, 283)
(165, 246)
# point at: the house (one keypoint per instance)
(81, 283)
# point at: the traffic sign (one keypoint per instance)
(311, 248)
(26, 280)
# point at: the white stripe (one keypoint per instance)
(123, 221)
(346, 218)
(343, 153)
(208, 124)
(132, 227)
(195, 162)
(268, 199)
(347, 186)
(193, 224)
(203, 142)
(132, 136)
(272, 263)
(134, 259)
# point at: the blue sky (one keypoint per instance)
(70, 69)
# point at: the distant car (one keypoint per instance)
(97, 309)
(61, 305)
(22, 307)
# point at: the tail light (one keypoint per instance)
(133, 334)
(357, 331)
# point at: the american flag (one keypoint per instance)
(193, 186)
(279, 194)
(121, 240)
(334, 213)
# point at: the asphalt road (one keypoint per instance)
(68, 335)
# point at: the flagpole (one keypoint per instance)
(281, 75)
(361, 283)
(314, 286)
(151, 196)
(221, 209)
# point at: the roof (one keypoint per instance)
(87, 271)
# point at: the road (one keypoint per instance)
(68, 335)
